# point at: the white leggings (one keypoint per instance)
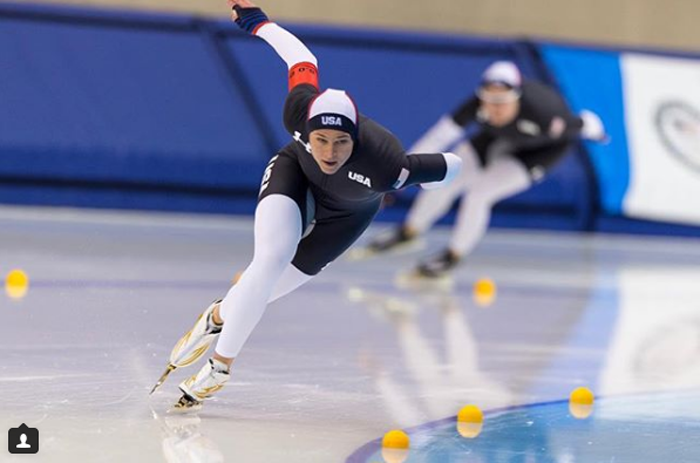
(502, 177)
(270, 275)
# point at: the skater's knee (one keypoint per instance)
(273, 259)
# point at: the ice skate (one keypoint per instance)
(439, 265)
(201, 386)
(193, 345)
(432, 273)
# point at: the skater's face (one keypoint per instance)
(500, 104)
(331, 149)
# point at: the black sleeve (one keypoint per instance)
(391, 167)
(574, 124)
(467, 111)
(424, 168)
(296, 107)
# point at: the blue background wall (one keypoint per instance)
(124, 110)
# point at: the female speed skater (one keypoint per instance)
(318, 194)
(523, 129)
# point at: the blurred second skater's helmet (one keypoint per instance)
(500, 74)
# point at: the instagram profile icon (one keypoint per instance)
(23, 439)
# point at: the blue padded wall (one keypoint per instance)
(127, 110)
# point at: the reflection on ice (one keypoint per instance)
(444, 384)
(183, 442)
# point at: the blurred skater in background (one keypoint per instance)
(524, 129)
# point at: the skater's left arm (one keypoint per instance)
(430, 171)
(301, 64)
(448, 130)
(427, 170)
(558, 124)
(566, 127)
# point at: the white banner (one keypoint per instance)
(662, 111)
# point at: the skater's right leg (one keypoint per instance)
(278, 229)
(284, 206)
(193, 345)
(291, 279)
(325, 241)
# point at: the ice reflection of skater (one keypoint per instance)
(183, 441)
(318, 195)
(524, 129)
(444, 386)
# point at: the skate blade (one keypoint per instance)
(414, 280)
(163, 377)
(186, 404)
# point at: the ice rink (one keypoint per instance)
(353, 354)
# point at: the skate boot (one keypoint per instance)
(390, 241)
(439, 265)
(201, 386)
(193, 345)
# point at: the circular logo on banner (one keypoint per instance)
(678, 124)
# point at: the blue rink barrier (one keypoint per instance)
(150, 111)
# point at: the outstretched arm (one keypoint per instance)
(448, 129)
(430, 171)
(302, 64)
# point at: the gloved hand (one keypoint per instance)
(593, 128)
(247, 15)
